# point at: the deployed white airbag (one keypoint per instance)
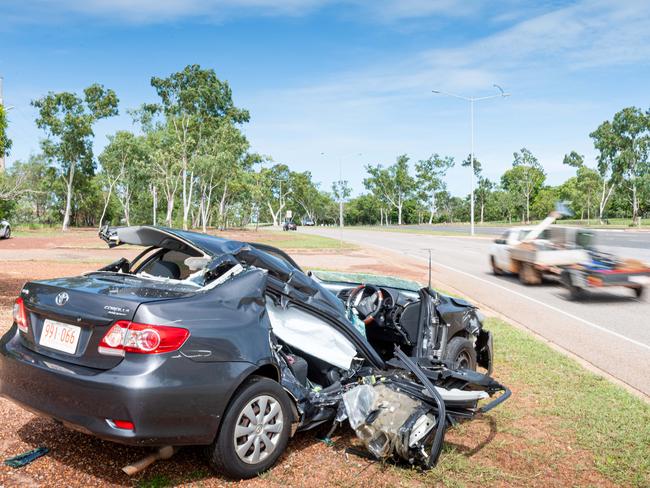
(311, 335)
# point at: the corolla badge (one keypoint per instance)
(62, 298)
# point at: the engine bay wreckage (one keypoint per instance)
(370, 350)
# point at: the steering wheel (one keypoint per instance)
(367, 300)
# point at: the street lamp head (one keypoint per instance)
(503, 93)
(435, 91)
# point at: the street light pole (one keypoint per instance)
(471, 101)
(341, 192)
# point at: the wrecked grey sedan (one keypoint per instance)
(206, 341)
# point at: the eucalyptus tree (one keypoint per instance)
(5, 142)
(29, 184)
(194, 101)
(219, 168)
(165, 168)
(624, 146)
(306, 194)
(588, 182)
(275, 183)
(430, 174)
(341, 190)
(394, 183)
(68, 121)
(524, 179)
(123, 163)
(483, 185)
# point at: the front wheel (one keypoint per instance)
(254, 432)
(495, 269)
(7, 232)
(461, 353)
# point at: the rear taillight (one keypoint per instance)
(20, 315)
(125, 336)
(121, 424)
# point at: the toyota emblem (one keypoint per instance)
(62, 298)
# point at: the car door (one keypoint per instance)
(502, 250)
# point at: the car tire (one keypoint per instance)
(575, 293)
(461, 353)
(229, 454)
(638, 292)
(496, 271)
(528, 275)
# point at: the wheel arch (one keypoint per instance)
(266, 369)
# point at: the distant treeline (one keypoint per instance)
(189, 165)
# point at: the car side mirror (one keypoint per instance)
(499, 241)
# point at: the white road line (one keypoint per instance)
(534, 300)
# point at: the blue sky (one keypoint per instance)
(344, 77)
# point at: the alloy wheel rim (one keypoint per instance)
(258, 429)
(463, 360)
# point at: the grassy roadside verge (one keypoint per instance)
(298, 241)
(409, 230)
(611, 423)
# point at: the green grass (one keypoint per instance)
(606, 420)
(296, 240)
(410, 230)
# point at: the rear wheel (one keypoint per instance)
(254, 432)
(576, 293)
(639, 292)
(7, 232)
(528, 275)
(461, 353)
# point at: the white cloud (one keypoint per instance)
(159, 11)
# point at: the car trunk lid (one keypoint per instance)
(69, 316)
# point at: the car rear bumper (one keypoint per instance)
(170, 399)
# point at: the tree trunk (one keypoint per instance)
(68, 198)
(170, 210)
(106, 202)
(155, 202)
(482, 209)
(185, 206)
(635, 207)
(399, 214)
(126, 205)
(274, 215)
(604, 197)
(222, 206)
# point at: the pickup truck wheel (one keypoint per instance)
(575, 292)
(528, 275)
(254, 431)
(495, 269)
(461, 353)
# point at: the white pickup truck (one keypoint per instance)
(531, 256)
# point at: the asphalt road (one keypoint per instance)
(604, 237)
(609, 329)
